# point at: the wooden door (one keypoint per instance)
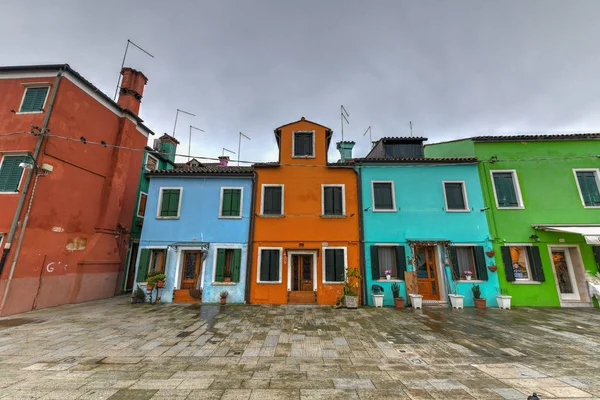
(427, 273)
(302, 272)
(191, 269)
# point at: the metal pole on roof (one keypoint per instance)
(177, 115)
(343, 114)
(410, 123)
(123, 64)
(224, 150)
(368, 130)
(190, 142)
(240, 146)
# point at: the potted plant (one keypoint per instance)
(138, 296)
(351, 288)
(224, 294)
(468, 274)
(398, 300)
(492, 268)
(388, 274)
(377, 294)
(479, 302)
(503, 299)
(490, 253)
(149, 286)
(158, 280)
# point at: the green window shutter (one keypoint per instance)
(226, 206)
(480, 263)
(272, 200)
(303, 144)
(401, 261)
(589, 188)
(505, 189)
(374, 263)
(454, 196)
(265, 265)
(236, 206)
(143, 265)
(174, 202)
(382, 194)
(34, 99)
(237, 260)
(333, 201)
(170, 202)
(596, 250)
(10, 173)
(508, 268)
(328, 201)
(454, 262)
(220, 271)
(330, 265)
(535, 264)
(274, 270)
(340, 274)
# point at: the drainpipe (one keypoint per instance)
(36, 152)
(361, 236)
(250, 242)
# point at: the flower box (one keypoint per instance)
(503, 301)
(457, 300)
(377, 300)
(416, 300)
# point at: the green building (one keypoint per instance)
(542, 198)
(159, 157)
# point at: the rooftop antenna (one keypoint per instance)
(190, 142)
(177, 115)
(343, 118)
(240, 146)
(368, 130)
(410, 124)
(123, 64)
(224, 150)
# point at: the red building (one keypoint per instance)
(67, 193)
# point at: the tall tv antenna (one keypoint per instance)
(123, 64)
(368, 130)
(224, 150)
(410, 124)
(190, 142)
(177, 115)
(240, 146)
(344, 114)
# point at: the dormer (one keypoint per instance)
(398, 147)
(303, 142)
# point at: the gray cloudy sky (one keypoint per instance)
(455, 68)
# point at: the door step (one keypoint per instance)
(183, 296)
(302, 297)
(434, 303)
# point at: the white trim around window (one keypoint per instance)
(140, 202)
(262, 198)
(294, 144)
(515, 183)
(259, 261)
(527, 263)
(34, 85)
(323, 271)
(223, 188)
(146, 163)
(596, 172)
(465, 197)
(393, 209)
(214, 266)
(343, 186)
(9, 154)
(160, 195)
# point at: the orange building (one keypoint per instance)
(306, 225)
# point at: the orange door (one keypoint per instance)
(191, 269)
(427, 273)
(302, 271)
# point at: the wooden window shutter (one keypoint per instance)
(596, 250)
(454, 196)
(226, 206)
(220, 271)
(454, 262)
(507, 259)
(505, 189)
(330, 265)
(401, 261)
(480, 263)
(274, 258)
(589, 188)
(237, 260)
(375, 262)
(339, 265)
(34, 99)
(272, 200)
(328, 194)
(10, 173)
(174, 202)
(535, 263)
(143, 265)
(235, 202)
(265, 265)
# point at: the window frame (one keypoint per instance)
(153, 252)
(34, 86)
(259, 266)
(139, 202)
(294, 144)
(343, 186)
(13, 154)
(527, 263)
(515, 178)
(324, 265)
(383, 278)
(148, 155)
(159, 206)
(465, 197)
(262, 199)
(596, 172)
(474, 269)
(394, 208)
(214, 269)
(241, 189)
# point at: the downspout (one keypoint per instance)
(250, 242)
(36, 152)
(361, 236)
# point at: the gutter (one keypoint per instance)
(250, 242)
(361, 235)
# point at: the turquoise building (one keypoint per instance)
(425, 215)
(196, 231)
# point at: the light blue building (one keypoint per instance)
(196, 230)
(425, 215)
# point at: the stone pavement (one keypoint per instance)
(110, 349)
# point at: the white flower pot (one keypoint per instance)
(468, 277)
(416, 300)
(503, 301)
(377, 300)
(388, 277)
(594, 290)
(456, 300)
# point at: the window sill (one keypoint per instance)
(458, 211)
(526, 283)
(471, 281)
(167, 217)
(29, 112)
(303, 157)
(224, 283)
(10, 192)
(389, 280)
(268, 283)
(333, 283)
(271, 215)
(394, 210)
(591, 206)
(333, 216)
(510, 208)
(226, 217)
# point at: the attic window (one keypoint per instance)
(403, 150)
(151, 163)
(304, 144)
(194, 163)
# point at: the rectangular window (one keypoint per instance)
(170, 199)
(304, 144)
(455, 196)
(333, 200)
(227, 267)
(388, 258)
(387, 262)
(403, 150)
(468, 261)
(34, 99)
(231, 202)
(10, 173)
(269, 265)
(157, 261)
(272, 200)
(520, 263)
(523, 263)
(383, 196)
(506, 189)
(588, 183)
(151, 163)
(142, 205)
(335, 265)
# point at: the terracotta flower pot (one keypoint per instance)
(226, 279)
(399, 302)
(490, 253)
(160, 284)
(493, 268)
(149, 287)
(479, 303)
(223, 301)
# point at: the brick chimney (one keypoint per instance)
(168, 146)
(345, 149)
(223, 160)
(132, 88)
